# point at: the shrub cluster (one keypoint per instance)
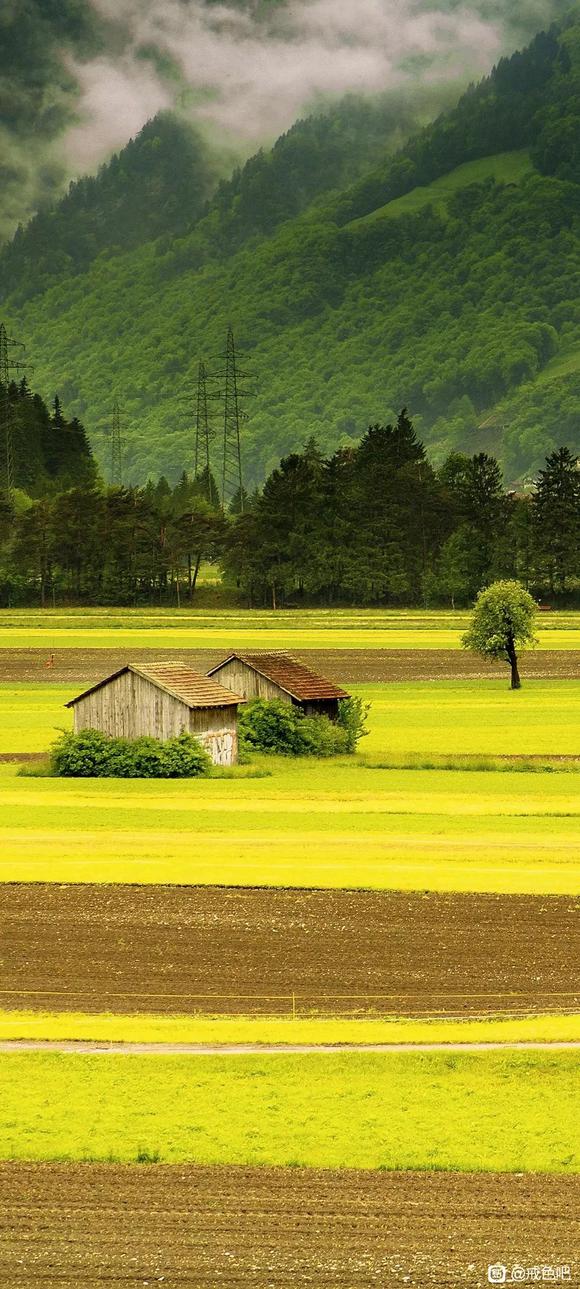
(271, 725)
(93, 755)
(352, 718)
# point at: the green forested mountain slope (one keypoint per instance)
(447, 279)
(159, 183)
(166, 181)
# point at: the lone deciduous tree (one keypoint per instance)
(503, 622)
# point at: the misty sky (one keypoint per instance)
(244, 71)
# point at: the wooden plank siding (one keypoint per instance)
(242, 679)
(130, 706)
(245, 680)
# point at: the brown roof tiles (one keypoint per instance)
(177, 679)
(292, 676)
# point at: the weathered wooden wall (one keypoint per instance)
(246, 682)
(243, 680)
(217, 729)
(130, 706)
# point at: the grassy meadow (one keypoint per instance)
(312, 824)
(475, 1112)
(504, 167)
(423, 718)
(344, 823)
(364, 821)
(282, 1029)
(256, 628)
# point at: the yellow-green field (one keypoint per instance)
(318, 823)
(219, 1030)
(311, 824)
(498, 1111)
(421, 718)
(344, 823)
(231, 628)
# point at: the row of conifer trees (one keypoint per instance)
(373, 524)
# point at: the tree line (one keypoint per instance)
(49, 452)
(373, 524)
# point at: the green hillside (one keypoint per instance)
(446, 278)
(166, 182)
(159, 184)
(506, 168)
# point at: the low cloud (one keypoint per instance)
(250, 76)
(242, 71)
(117, 99)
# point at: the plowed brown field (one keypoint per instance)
(159, 949)
(90, 1225)
(354, 665)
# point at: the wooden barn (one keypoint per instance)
(162, 699)
(276, 674)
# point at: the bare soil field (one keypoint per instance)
(168, 949)
(90, 1225)
(354, 665)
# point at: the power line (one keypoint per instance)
(116, 447)
(8, 367)
(202, 432)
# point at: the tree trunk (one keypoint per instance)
(513, 661)
(194, 577)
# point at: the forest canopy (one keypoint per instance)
(445, 276)
(372, 524)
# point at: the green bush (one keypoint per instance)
(271, 725)
(93, 755)
(352, 718)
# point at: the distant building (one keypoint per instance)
(276, 674)
(162, 699)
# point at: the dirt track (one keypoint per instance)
(355, 665)
(91, 1225)
(162, 949)
(85, 1047)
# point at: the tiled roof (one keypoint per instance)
(177, 679)
(284, 670)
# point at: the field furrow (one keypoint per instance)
(186, 950)
(113, 1225)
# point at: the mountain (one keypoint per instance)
(444, 277)
(159, 184)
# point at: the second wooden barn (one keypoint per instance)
(162, 700)
(276, 674)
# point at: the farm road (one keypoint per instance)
(159, 949)
(107, 1224)
(80, 666)
(83, 1047)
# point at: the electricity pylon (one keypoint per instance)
(202, 462)
(231, 392)
(116, 447)
(8, 367)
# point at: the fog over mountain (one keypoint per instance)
(78, 78)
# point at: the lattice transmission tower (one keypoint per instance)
(116, 447)
(232, 392)
(202, 432)
(9, 367)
